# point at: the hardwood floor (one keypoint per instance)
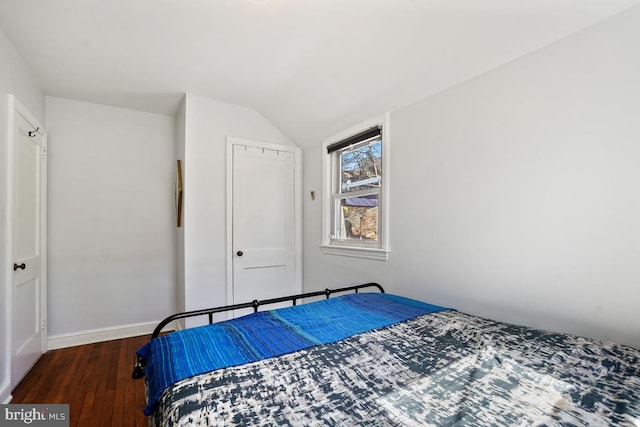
(94, 379)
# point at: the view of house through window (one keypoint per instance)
(357, 191)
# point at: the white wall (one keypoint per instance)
(17, 79)
(111, 219)
(516, 195)
(180, 147)
(207, 125)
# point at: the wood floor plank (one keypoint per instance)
(34, 377)
(98, 386)
(69, 375)
(94, 379)
(122, 378)
(75, 398)
(88, 386)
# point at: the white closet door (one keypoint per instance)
(27, 292)
(263, 222)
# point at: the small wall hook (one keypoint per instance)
(32, 133)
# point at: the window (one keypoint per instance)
(355, 185)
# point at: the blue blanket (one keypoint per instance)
(183, 354)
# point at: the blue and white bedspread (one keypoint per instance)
(262, 335)
(441, 369)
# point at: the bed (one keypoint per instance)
(375, 359)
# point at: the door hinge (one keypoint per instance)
(44, 323)
(43, 153)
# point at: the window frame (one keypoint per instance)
(331, 169)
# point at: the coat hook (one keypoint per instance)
(32, 133)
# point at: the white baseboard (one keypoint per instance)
(103, 334)
(5, 393)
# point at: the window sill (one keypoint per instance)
(357, 252)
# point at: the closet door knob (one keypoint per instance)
(239, 253)
(16, 266)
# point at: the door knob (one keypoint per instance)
(16, 266)
(239, 253)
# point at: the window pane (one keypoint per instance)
(358, 218)
(361, 168)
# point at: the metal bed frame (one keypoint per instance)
(139, 368)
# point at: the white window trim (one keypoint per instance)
(330, 247)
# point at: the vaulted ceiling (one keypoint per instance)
(312, 67)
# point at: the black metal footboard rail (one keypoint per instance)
(138, 370)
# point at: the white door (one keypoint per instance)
(265, 220)
(27, 291)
